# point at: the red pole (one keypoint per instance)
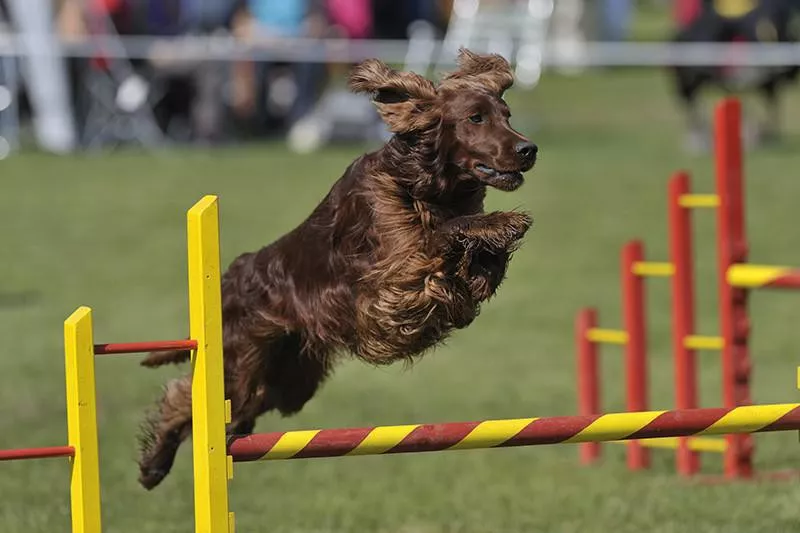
(635, 363)
(683, 319)
(36, 453)
(588, 377)
(141, 347)
(790, 280)
(732, 248)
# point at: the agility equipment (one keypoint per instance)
(735, 278)
(211, 499)
(214, 454)
(513, 432)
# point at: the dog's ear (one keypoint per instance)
(491, 71)
(405, 100)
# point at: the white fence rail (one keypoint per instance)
(553, 54)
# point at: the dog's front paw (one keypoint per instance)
(518, 224)
(504, 229)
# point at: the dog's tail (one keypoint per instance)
(155, 359)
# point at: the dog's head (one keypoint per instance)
(465, 115)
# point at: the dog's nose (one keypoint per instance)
(526, 150)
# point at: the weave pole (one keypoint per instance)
(633, 311)
(683, 312)
(588, 377)
(209, 418)
(515, 432)
(732, 248)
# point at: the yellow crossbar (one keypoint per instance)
(703, 342)
(651, 269)
(607, 336)
(747, 275)
(697, 444)
(699, 201)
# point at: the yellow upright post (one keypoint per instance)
(208, 388)
(82, 422)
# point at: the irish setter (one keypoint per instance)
(396, 256)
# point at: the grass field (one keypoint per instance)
(108, 232)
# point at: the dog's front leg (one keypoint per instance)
(484, 244)
(497, 231)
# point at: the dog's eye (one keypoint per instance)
(476, 118)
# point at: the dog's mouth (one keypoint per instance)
(505, 180)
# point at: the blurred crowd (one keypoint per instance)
(97, 99)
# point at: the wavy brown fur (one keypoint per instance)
(396, 256)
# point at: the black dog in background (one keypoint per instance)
(763, 21)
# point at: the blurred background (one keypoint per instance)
(117, 115)
(79, 75)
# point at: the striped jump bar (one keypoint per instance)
(514, 432)
(758, 276)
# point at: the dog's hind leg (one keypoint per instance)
(164, 431)
(295, 378)
(283, 377)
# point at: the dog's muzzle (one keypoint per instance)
(505, 180)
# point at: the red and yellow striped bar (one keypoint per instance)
(763, 276)
(36, 453)
(515, 432)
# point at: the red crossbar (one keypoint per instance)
(140, 347)
(36, 453)
(786, 281)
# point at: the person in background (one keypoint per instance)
(615, 18)
(278, 93)
(44, 75)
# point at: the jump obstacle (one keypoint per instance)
(213, 456)
(735, 279)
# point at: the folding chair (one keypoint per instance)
(119, 100)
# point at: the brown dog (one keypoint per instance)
(397, 255)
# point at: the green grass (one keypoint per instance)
(108, 231)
